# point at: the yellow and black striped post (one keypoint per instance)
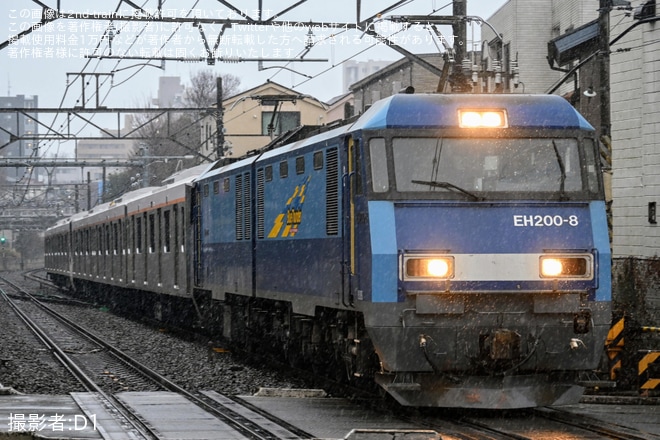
(648, 370)
(614, 348)
(645, 328)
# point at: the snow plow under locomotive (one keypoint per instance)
(453, 248)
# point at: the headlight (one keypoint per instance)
(482, 118)
(564, 266)
(429, 267)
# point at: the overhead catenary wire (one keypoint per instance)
(48, 144)
(359, 52)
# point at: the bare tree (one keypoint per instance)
(202, 89)
(176, 136)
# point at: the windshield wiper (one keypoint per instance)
(562, 169)
(450, 187)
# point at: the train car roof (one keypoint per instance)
(441, 111)
(319, 138)
(173, 183)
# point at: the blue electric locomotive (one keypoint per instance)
(452, 247)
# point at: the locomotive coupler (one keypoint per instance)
(502, 344)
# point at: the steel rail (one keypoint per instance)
(89, 384)
(227, 415)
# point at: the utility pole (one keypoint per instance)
(459, 82)
(219, 125)
(604, 99)
(89, 191)
(604, 68)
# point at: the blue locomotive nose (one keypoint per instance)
(489, 247)
(480, 288)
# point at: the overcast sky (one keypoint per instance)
(46, 62)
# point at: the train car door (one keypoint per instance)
(197, 236)
(350, 190)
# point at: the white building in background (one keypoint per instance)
(527, 26)
(170, 92)
(354, 71)
(635, 109)
(634, 84)
(107, 147)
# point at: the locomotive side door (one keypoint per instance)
(351, 189)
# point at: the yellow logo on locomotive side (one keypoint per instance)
(290, 219)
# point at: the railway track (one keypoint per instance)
(106, 370)
(126, 374)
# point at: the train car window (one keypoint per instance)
(284, 169)
(99, 239)
(159, 231)
(225, 184)
(167, 228)
(127, 233)
(107, 244)
(115, 231)
(206, 190)
(379, 178)
(300, 165)
(175, 229)
(138, 235)
(318, 160)
(181, 223)
(152, 233)
(269, 173)
(216, 187)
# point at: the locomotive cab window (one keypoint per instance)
(379, 177)
(473, 168)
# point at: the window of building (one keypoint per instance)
(283, 122)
